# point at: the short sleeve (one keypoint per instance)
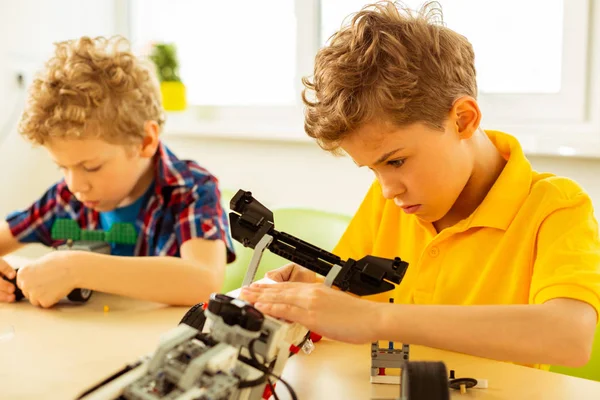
(200, 215)
(34, 224)
(567, 262)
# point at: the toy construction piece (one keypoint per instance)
(69, 230)
(463, 384)
(77, 295)
(383, 358)
(96, 241)
(424, 380)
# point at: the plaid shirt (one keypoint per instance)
(185, 204)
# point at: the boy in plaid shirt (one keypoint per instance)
(97, 110)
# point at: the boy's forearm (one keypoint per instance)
(528, 334)
(169, 280)
(8, 243)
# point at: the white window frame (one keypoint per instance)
(567, 123)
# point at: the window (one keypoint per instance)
(529, 66)
(231, 54)
(518, 44)
(242, 61)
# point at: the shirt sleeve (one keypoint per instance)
(567, 263)
(200, 215)
(359, 237)
(34, 224)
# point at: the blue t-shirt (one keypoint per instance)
(128, 214)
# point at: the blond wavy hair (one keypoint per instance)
(389, 63)
(92, 87)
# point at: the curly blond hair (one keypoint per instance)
(389, 63)
(92, 87)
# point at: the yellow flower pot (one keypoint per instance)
(173, 96)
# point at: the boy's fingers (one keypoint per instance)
(283, 274)
(7, 297)
(6, 270)
(286, 311)
(34, 301)
(275, 275)
(6, 287)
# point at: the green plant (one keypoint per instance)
(164, 56)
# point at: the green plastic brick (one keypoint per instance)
(64, 229)
(122, 233)
(93, 235)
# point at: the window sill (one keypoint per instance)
(204, 123)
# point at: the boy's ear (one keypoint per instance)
(465, 116)
(150, 141)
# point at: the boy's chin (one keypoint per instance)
(102, 207)
(428, 216)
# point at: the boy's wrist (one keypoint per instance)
(381, 319)
(75, 263)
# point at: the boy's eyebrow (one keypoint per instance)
(384, 157)
(79, 163)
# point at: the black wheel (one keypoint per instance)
(424, 381)
(466, 382)
(80, 295)
(18, 293)
(195, 317)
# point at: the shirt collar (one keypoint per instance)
(169, 170)
(503, 201)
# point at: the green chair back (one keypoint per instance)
(234, 272)
(591, 370)
(226, 196)
(317, 227)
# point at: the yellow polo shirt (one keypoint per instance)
(533, 238)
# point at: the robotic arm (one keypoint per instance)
(252, 225)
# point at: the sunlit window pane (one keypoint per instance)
(517, 43)
(231, 53)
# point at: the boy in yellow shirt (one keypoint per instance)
(97, 109)
(504, 262)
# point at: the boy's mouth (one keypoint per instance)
(91, 204)
(411, 209)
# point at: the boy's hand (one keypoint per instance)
(7, 289)
(48, 279)
(292, 273)
(332, 313)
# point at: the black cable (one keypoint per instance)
(272, 389)
(268, 371)
(287, 385)
(258, 381)
(255, 382)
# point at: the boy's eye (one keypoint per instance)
(396, 163)
(92, 169)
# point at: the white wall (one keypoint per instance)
(279, 173)
(28, 29)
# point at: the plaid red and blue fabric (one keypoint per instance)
(185, 204)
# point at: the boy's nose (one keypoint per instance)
(391, 189)
(77, 184)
